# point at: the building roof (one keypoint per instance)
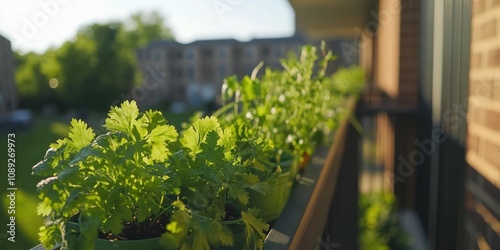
(165, 43)
(4, 40)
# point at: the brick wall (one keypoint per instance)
(483, 141)
(408, 57)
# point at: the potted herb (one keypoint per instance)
(216, 173)
(290, 109)
(115, 186)
(140, 185)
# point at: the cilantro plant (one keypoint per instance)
(120, 176)
(216, 172)
(292, 109)
(140, 180)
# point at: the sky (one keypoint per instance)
(36, 25)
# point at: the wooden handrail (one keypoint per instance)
(301, 224)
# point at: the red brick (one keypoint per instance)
(494, 58)
(495, 3)
(492, 121)
(472, 143)
(481, 89)
(476, 60)
(491, 151)
(478, 6)
(489, 29)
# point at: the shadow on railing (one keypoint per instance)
(322, 210)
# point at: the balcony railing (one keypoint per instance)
(322, 210)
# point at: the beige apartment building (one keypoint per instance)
(8, 91)
(193, 73)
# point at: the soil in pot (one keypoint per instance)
(131, 237)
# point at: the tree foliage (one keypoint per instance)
(93, 69)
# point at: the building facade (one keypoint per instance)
(434, 100)
(194, 73)
(8, 90)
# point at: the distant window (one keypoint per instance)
(249, 53)
(181, 91)
(264, 51)
(237, 52)
(207, 53)
(158, 56)
(190, 54)
(222, 53)
(222, 71)
(171, 72)
(179, 54)
(279, 51)
(190, 73)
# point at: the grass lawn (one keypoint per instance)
(31, 146)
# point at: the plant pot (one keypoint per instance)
(143, 244)
(304, 160)
(272, 204)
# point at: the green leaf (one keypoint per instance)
(80, 135)
(196, 134)
(248, 89)
(123, 118)
(158, 139)
(114, 223)
(266, 186)
(237, 191)
(229, 87)
(50, 235)
(254, 229)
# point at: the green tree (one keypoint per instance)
(32, 84)
(143, 28)
(92, 70)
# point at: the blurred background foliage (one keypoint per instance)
(99, 61)
(379, 226)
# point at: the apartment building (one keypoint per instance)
(193, 73)
(8, 91)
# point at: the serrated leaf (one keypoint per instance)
(196, 134)
(44, 208)
(227, 138)
(254, 229)
(158, 139)
(252, 179)
(210, 151)
(69, 175)
(80, 135)
(236, 191)
(50, 235)
(123, 118)
(114, 223)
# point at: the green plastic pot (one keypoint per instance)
(272, 204)
(144, 244)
